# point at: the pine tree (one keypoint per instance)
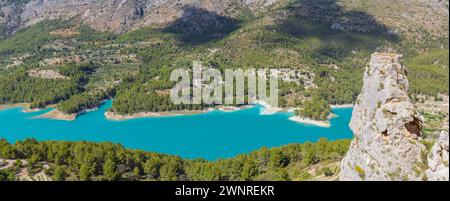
(59, 174)
(109, 170)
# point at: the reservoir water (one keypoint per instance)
(212, 135)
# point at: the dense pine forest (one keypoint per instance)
(316, 109)
(107, 161)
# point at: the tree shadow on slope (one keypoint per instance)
(338, 31)
(199, 26)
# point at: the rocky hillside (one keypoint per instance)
(388, 143)
(118, 16)
(411, 17)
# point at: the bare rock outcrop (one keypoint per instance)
(9, 19)
(438, 159)
(386, 127)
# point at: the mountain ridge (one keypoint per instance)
(405, 17)
(117, 16)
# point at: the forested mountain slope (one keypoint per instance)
(127, 49)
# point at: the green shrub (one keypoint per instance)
(360, 172)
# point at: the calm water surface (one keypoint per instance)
(211, 135)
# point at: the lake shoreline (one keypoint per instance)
(14, 105)
(342, 106)
(58, 115)
(303, 120)
(267, 110)
(26, 107)
(118, 117)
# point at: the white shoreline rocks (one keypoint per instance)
(386, 126)
(58, 115)
(309, 121)
(118, 117)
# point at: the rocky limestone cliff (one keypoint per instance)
(386, 126)
(438, 159)
(387, 142)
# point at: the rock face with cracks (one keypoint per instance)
(386, 127)
(438, 159)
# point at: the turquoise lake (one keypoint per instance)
(212, 135)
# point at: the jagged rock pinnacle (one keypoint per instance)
(386, 126)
